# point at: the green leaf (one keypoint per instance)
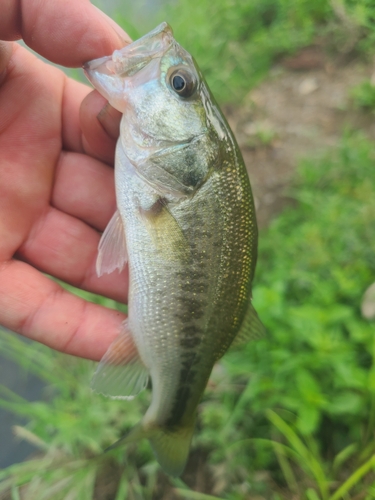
(310, 462)
(311, 494)
(308, 419)
(353, 479)
(344, 455)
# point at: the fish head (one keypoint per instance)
(166, 103)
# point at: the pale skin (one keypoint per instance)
(57, 142)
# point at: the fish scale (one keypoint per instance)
(186, 223)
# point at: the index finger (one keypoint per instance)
(68, 32)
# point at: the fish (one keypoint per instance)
(186, 227)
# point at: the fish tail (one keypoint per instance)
(171, 447)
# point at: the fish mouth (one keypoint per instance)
(107, 73)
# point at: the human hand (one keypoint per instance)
(56, 179)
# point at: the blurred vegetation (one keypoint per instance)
(235, 42)
(292, 415)
(363, 95)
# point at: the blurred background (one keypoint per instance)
(291, 416)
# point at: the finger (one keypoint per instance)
(5, 55)
(84, 189)
(100, 127)
(40, 309)
(68, 33)
(73, 94)
(66, 248)
(99, 144)
(30, 129)
(109, 119)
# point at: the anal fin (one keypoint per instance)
(121, 373)
(112, 252)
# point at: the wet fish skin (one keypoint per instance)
(186, 221)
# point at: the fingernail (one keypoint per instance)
(124, 37)
(109, 119)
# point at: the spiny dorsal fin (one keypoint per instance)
(112, 253)
(120, 373)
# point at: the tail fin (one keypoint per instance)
(171, 448)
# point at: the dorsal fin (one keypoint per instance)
(251, 329)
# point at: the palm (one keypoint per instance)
(56, 195)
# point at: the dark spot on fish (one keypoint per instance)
(155, 208)
(183, 394)
(191, 330)
(189, 342)
(190, 303)
(197, 314)
(192, 178)
(191, 336)
(179, 406)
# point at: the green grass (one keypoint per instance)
(363, 95)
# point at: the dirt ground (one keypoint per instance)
(298, 112)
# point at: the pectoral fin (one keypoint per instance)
(121, 373)
(112, 253)
(165, 232)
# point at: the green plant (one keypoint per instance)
(70, 429)
(317, 364)
(364, 95)
(304, 456)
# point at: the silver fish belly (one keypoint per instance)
(186, 225)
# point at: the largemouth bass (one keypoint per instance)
(186, 225)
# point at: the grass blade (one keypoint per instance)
(30, 437)
(344, 455)
(286, 468)
(311, 494)
(354, 479)
(122, 490)
(15, 493)
(195, 495)
(311, 462)
(183, 490)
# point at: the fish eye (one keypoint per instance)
(182, 82)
